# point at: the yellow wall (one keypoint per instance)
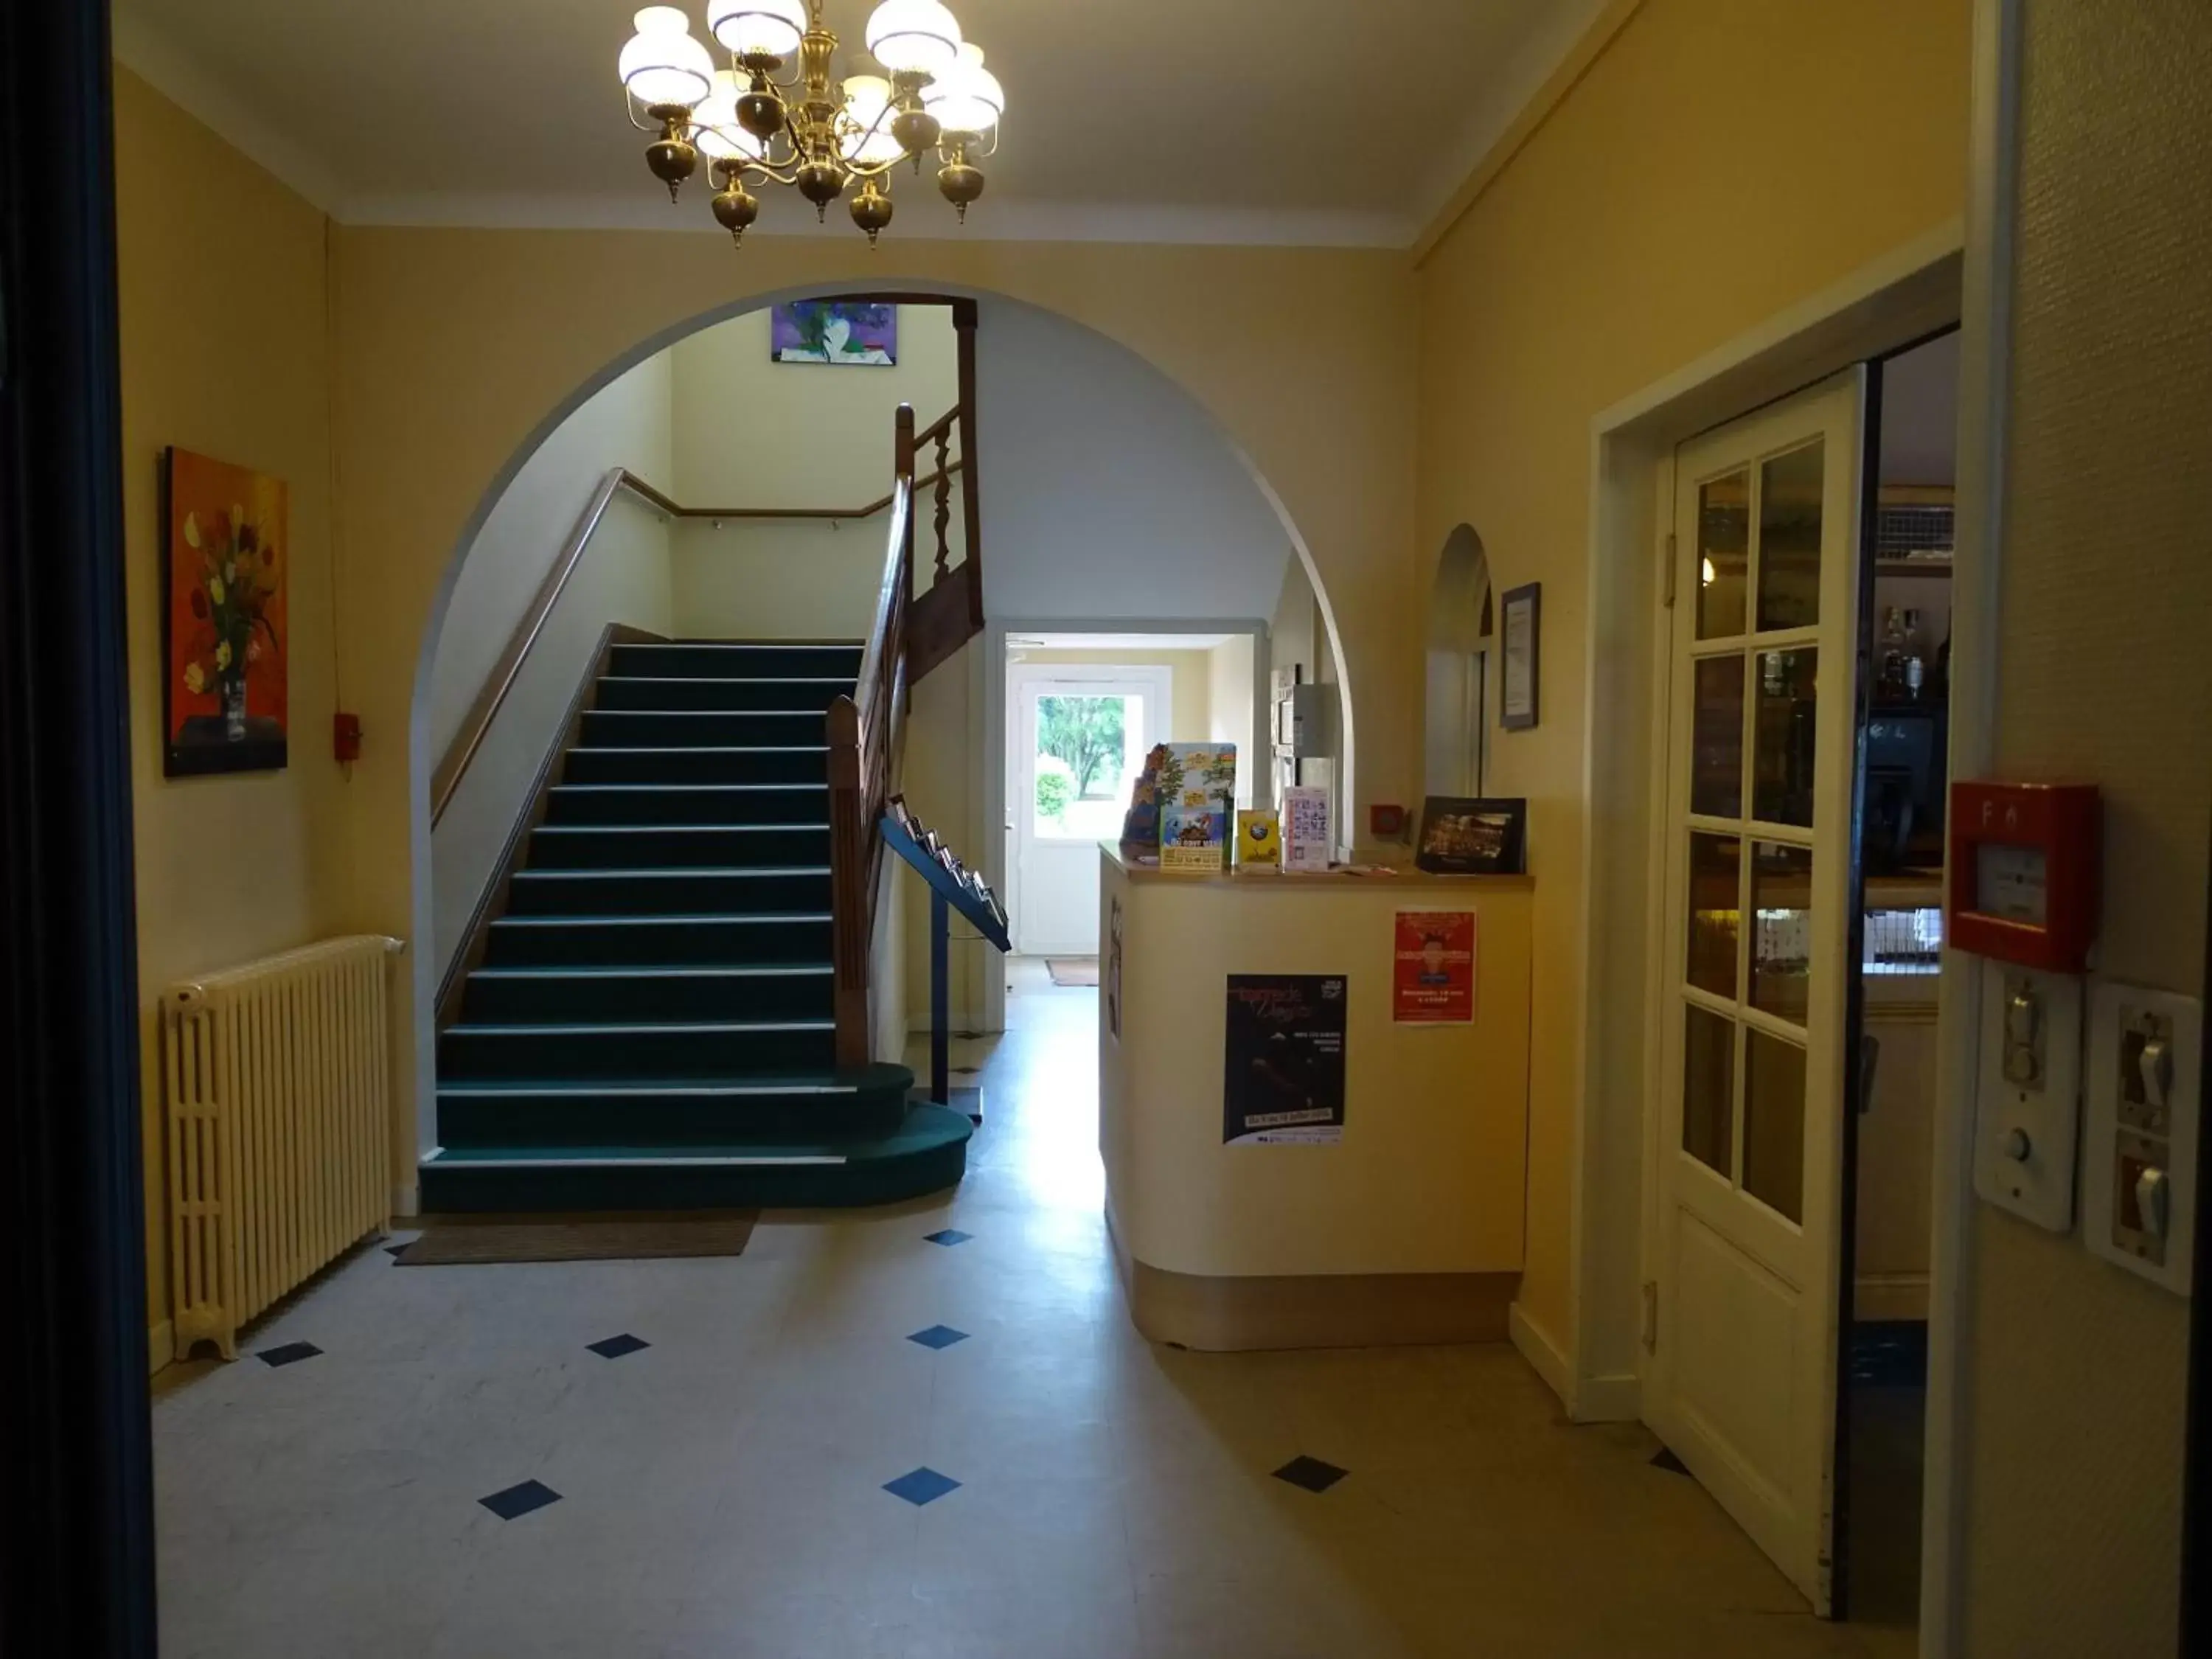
(224, 343)
(2080, 1371)
(1718, 161)
(456, 345)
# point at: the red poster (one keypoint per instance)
(1432, 977)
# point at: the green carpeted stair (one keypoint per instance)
(652, 1026)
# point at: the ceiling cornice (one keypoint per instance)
(1517, 100)
(1536, 82)
(177, 76)
(989, 221)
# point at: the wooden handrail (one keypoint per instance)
(491, 697)
(493, 694)
(865, 735)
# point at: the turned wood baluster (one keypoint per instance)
(944, 500)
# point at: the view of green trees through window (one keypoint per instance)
(1082, 753)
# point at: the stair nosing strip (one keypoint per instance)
(672, 828)
(679, 870)
(688, 787)
(438, 1162)
(748, 917)
(809, 971)
(564, 1028)
(714, 1091)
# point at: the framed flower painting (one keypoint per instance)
(226, 557)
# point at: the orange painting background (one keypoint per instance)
(215, 491)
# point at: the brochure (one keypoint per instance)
(1197, 789)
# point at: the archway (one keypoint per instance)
(1200, 427)
(1456, 729)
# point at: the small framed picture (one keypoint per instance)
(1464, 836)
(1524, 610)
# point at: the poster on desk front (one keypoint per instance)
(1433, 969)
(1284, 1076)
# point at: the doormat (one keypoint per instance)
(1073, 970)
(448, 1240)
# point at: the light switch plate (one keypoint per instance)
(2027, 1118)
(2129, 1131)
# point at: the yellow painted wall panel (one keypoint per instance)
(1719, 162)
(224, 350)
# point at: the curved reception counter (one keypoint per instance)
(1313, 1103)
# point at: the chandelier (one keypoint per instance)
(797, 131)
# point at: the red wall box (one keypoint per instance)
(2059, 822)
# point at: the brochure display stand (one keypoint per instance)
(952, 886)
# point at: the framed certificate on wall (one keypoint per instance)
(1523, 629)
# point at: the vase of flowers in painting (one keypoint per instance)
(230, 602)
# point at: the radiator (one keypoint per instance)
(280, 1127)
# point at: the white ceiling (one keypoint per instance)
(1235, 120)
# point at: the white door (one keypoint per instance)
(1080, 740)
(1746, 1229)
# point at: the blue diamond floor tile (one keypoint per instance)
(949, 1236)
(1310, 1472)
(938, 1336)
(520, 1500)
(616, 1346)
(920, 1487)
(290, 1354)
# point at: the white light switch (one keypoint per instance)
(2139, 1146)
(2027, 1120)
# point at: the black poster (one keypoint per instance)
(1285, 1077)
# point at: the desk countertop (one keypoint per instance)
(1267, 879)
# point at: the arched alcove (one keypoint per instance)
(1101, 371)
(1456, 721)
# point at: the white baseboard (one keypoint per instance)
(1617, 1399)
(1887, 1297)
(161, 1345)
(1537, 1347)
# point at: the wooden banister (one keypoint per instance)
(865, 733)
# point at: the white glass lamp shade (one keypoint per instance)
(771, 28)
(966, 98)
(663, 64)
(916, 37)
(868, 107)
(719, 137)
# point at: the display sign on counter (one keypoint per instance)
(1432, 971)
(1284, 1078)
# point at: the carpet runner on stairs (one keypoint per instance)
(652, 1025)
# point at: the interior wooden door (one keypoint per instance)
(1740, 1380)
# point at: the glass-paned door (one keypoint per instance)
(1751, 1002)
(1081, 741)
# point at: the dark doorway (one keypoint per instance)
(79, 1573)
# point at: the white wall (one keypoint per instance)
(627, 424)
(1108, 491)
(624, 577)
(1229, 709)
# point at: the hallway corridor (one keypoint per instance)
(746, 1484)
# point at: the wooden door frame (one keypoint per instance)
(1908, 292)
(987, 738)
(1157, 679)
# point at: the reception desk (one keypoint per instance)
(1406, 1228)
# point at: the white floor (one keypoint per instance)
(722, 1491)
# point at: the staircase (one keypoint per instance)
(652, 1025)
